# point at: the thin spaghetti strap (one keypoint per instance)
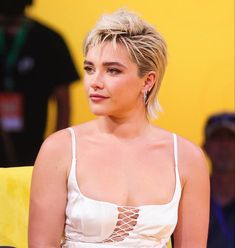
(72, 178)
(175, 150)
(73, 142)
(72, 172)
(178, 187)
(176, 153)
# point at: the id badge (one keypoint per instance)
(11, 112)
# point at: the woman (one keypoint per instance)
(119, 181)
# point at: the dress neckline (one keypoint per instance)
(117, 205)
(73, 177)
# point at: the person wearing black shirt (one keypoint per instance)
(35, 64)
(220, 148)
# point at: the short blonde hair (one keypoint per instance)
(144, 43)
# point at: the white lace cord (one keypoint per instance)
(127, 219)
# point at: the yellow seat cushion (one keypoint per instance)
(14, 206)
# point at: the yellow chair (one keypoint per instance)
(14, 206)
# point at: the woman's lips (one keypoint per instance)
(97, 97)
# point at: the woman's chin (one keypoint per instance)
(99, 112)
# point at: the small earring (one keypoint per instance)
(145, 96)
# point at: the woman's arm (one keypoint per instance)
(49, 192)
(193, 218)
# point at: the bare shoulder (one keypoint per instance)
(190, 152)
(56, 143)
(59, 144)
(192, 161)
(55, 152)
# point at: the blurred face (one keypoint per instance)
(220, 147)
(111, 81)
(10, 23)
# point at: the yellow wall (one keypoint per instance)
(200, 75)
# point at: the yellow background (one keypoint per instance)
(199, 79)
(200, 34)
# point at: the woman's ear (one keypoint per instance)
(149, 80)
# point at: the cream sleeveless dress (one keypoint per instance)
(98, 224)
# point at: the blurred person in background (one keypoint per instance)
(220, 147)
(35, 64)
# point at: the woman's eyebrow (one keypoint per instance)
(108, 63)
(113, 63)
(86, 62)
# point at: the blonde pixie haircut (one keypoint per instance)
(144, 44)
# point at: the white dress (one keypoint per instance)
(92, 223)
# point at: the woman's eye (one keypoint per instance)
(88, 69)
(113, 71)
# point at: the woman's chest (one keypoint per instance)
(126, 177)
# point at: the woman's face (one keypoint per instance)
(111, 81)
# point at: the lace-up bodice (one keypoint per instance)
(91, 223)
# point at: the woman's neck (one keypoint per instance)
(125, 127)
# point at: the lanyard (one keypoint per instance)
(13, 54)
(228, 234)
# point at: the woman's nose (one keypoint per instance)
(97, 82)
